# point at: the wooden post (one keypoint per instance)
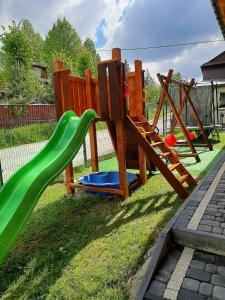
(139, 87)
(162, 99)
(116, 53)
(142, 165)
(58, 97)
(58, 65)
(121, 152)
(92, 128)
(183, 101)
(58, 93)
(116, 80)
(63, 103)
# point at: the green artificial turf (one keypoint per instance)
(87, 246)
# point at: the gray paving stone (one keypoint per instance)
(149, 296)
(219, 214)
(163, 276)
(198, 275)
(206, 228)
(208, 217)
(220, 200)
(214, 201)
(193, 203)
(212, 206)
(211, 268)
(189, 211)
(217, 194)
(212, 213)
(205, 289)
(223, 225)
(184, 216)
(169, 265)
(157, 288)
(210, 209)
(219, 219)
(203, 256)
(182, 223)
(198, 195)
(218, 280)
(196, 264)
(219, 293)
(190, 284)
(223, 231)
(189, 295)
(210, 222)
(217, 230)
(220, 260)
(175, 254)
(221, 270)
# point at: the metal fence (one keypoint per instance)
(23, 135)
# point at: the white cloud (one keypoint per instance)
(188, 61)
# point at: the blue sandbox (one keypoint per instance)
(104, 180)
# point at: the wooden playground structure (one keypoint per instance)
(136, 143)
(185, 99)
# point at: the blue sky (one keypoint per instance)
(132, 23)
(100, 38)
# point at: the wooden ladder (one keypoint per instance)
(144, 137)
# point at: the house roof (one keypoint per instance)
(219, 9)
(217, 60)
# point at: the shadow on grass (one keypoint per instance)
(57, 232)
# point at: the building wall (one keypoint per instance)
(215, 72)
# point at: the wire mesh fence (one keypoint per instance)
(25, 129)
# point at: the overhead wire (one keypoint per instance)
(164, 46)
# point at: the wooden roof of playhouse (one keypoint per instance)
(219, 9)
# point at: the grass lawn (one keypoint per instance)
(87, 247)
(21, 135)
(10, 137)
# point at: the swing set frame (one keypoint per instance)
(185, 99)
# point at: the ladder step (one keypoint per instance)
(141, 122)
(166, 154)
(173, 167)
(157, 144)
(149, 132)
(183, 178)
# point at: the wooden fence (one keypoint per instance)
(21, 114)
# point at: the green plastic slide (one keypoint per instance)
(21, 192)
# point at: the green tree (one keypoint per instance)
(17, 48)
(22, 84)
(90, 46)
(148, 77)
(35, 40)
(177, 76)
(153, 91)
(61, 39)
(85, 61)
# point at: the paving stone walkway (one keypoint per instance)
(194, 267)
